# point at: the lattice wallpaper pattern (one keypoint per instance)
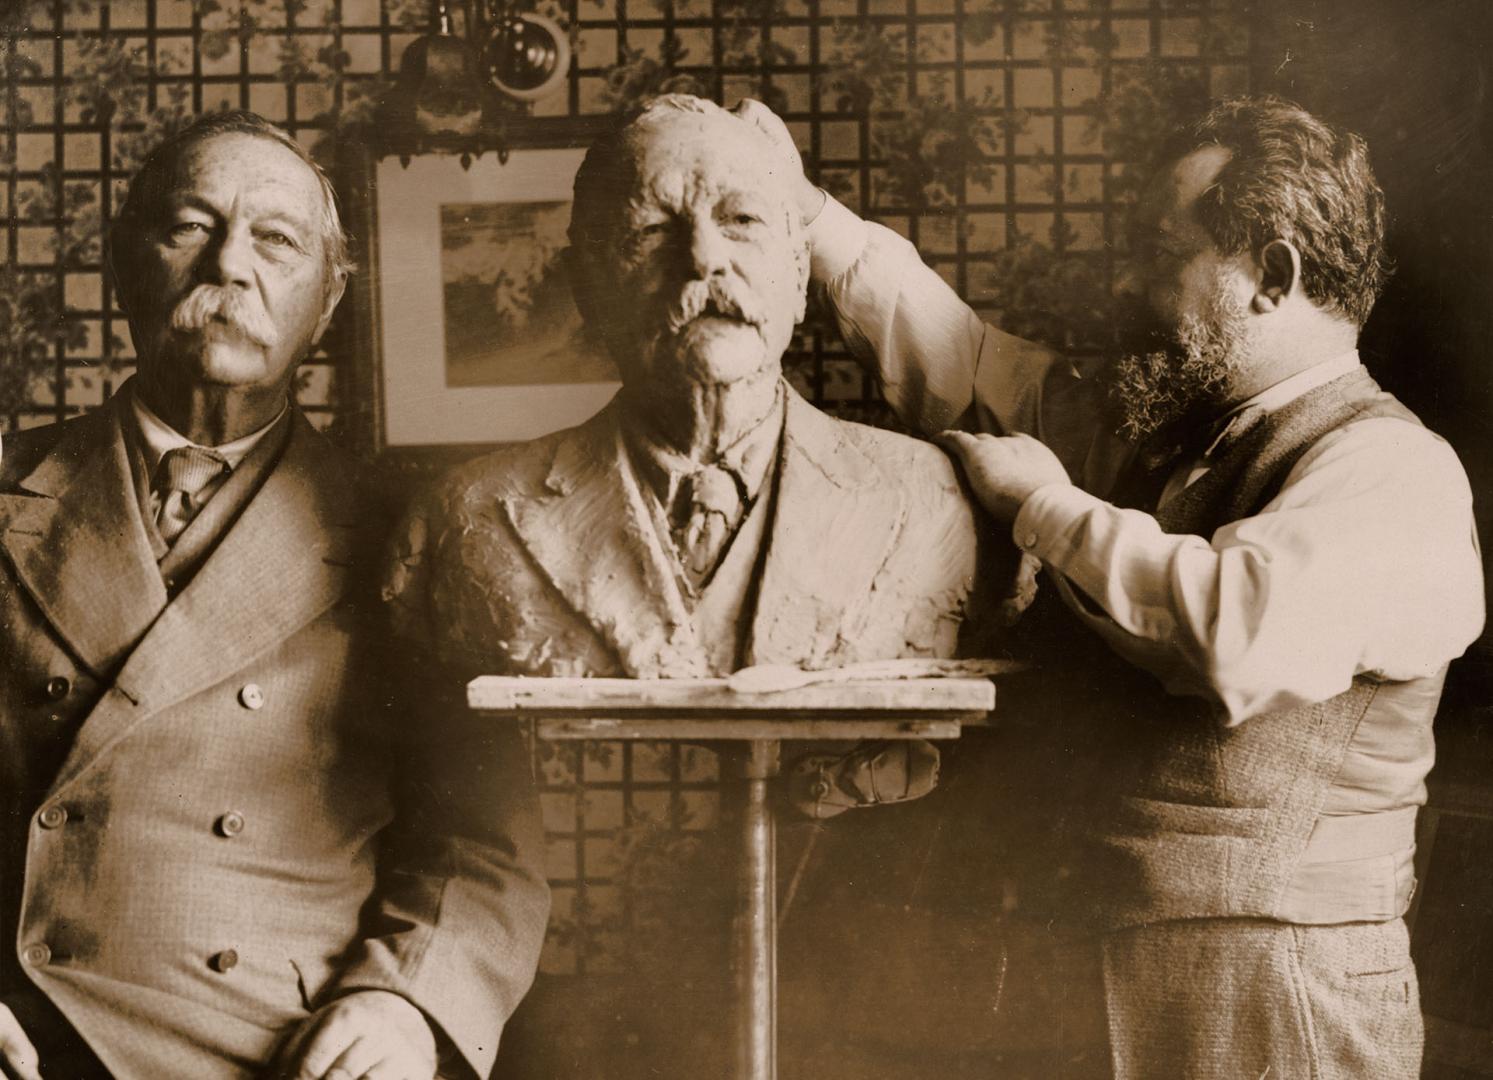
(991, 133)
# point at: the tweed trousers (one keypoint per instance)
(1216, 999)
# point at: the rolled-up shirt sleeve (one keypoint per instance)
(939, 365)
(1366, 562)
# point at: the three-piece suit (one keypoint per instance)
(214, 814)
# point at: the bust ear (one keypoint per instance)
(801, 266)
(1279, 276)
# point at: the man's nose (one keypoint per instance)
(229, 260)
(708, 249)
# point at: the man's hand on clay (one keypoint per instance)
(369, 1035)
(1004, 470)
(16, 1052)
(806, 194)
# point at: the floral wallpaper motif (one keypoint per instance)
(940, 105)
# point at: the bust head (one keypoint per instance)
(687, 255)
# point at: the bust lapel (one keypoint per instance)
(590, 533)
(76, 538)
(836, 520)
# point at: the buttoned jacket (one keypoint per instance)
(214, 818)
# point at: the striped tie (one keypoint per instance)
(185, 480)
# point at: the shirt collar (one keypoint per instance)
(1281, 394)
(158, 437)
(748, 459)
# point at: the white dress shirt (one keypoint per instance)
(157, 439)
(1365, 563)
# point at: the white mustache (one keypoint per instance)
(712, 297)
(236, 309)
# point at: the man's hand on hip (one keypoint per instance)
(806, 194)
(1004, 470)
(16, 1052)
(369, 1035)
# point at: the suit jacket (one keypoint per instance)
(213, 819)
(542, 559)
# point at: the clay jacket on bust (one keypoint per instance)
(543, 558)
(211, 819)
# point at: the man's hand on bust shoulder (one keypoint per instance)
(806, 194)
(17, 1055)
(372, 1034)
(1004, 470)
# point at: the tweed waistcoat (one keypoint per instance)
(1187, 818)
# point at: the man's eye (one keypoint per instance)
(186, 230)
(277, 239)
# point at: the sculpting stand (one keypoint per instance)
(752, 728)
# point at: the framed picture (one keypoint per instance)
(469, 318)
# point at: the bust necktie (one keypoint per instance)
(707, 510)
(185, 479)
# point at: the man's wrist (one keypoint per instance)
(1040, 522)
(837, 237)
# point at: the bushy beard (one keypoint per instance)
(1166, 379)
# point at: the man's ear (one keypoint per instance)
(582, 287)
(335, 290)
(1279, 276)
(116, 242)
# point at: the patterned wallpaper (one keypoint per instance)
(999, 135)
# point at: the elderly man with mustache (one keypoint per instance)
(1265, 565)
(222, 846)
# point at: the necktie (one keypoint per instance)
(708, 509)
(185, 480)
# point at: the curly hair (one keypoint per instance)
(1292, 177)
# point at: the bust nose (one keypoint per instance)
(708, 253)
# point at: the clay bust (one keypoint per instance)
(708, 518)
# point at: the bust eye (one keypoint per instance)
(744, 219)
(654, 228)
(183, 231)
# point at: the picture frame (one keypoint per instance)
(460, 302)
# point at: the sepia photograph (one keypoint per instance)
(748, 539)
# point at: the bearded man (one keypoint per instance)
(1265, 564)
(219, 844)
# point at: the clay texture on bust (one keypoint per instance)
(555, 556)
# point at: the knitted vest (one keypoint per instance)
(1193, 819)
